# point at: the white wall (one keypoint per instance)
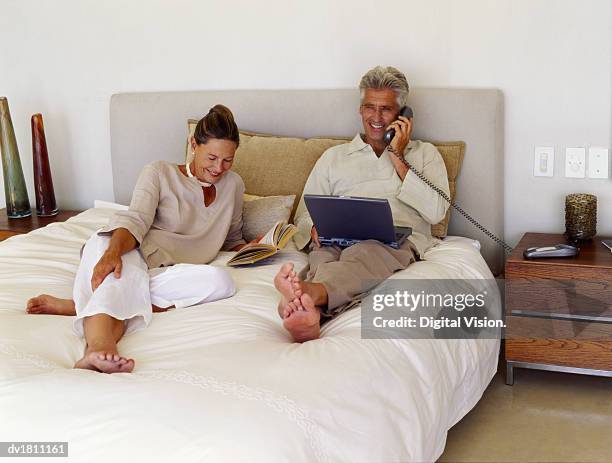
(551, 58)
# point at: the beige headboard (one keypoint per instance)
(151, 126)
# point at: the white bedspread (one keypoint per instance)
(222, 382)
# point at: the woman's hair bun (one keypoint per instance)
(218, 123)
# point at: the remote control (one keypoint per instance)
(560, 250)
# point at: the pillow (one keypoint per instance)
(247, 197)
(259, 214)
(452, 154)
(101, 204)
(274, 165)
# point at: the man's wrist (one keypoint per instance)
(399, 154)
(402, 172)
(400, 166)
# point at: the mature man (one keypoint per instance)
(336, 277)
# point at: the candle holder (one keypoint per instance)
(17, 201)
(580, 216)
(43, 183)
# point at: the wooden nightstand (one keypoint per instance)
(10, 227)
(559, 311)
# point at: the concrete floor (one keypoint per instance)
(544, 417)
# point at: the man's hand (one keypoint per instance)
(314, 236)
(403, 130)
(110, 262)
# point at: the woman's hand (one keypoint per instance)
(256, 240)
(121, 242)
(109, 263)
(240, 246)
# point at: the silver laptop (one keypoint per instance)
(347, 220)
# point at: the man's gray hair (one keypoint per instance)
(382, 77)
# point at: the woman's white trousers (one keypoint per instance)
(129, 297)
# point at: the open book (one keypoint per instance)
(276, 239)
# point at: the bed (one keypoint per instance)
(223, 381)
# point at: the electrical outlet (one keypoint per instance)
(575, 162)
(544, 161)
(598, 162)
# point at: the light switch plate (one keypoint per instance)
(544, 161)
(575, 162)
(598, 162)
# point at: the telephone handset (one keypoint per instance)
(406, 111)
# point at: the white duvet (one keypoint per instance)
(222, 382)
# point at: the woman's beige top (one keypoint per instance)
(168, 218)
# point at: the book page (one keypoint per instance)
(251, 257)
(270, 237)
(253, 247)
(275, 239)
(286, 233)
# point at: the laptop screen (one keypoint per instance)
(349, 217)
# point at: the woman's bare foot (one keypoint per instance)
(50, 305)
(157, 309)
(303, 319)
(105, 362)
(45, 304)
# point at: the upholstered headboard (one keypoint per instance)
(151, 126)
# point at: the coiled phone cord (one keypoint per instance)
(470, 219)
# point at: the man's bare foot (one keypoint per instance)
(284, 281)
(303, 319)
(291, 287)
(286, 308)
(105, 362)
(45, 304)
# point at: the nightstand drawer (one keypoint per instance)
(558, 342)
(544, 268)
(588, 300)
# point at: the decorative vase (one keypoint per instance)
(17, 202)
(580, 216)
(43, 183)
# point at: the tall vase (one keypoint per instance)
(17, 202)
(43, 183)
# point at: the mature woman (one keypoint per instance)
(152, 257)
